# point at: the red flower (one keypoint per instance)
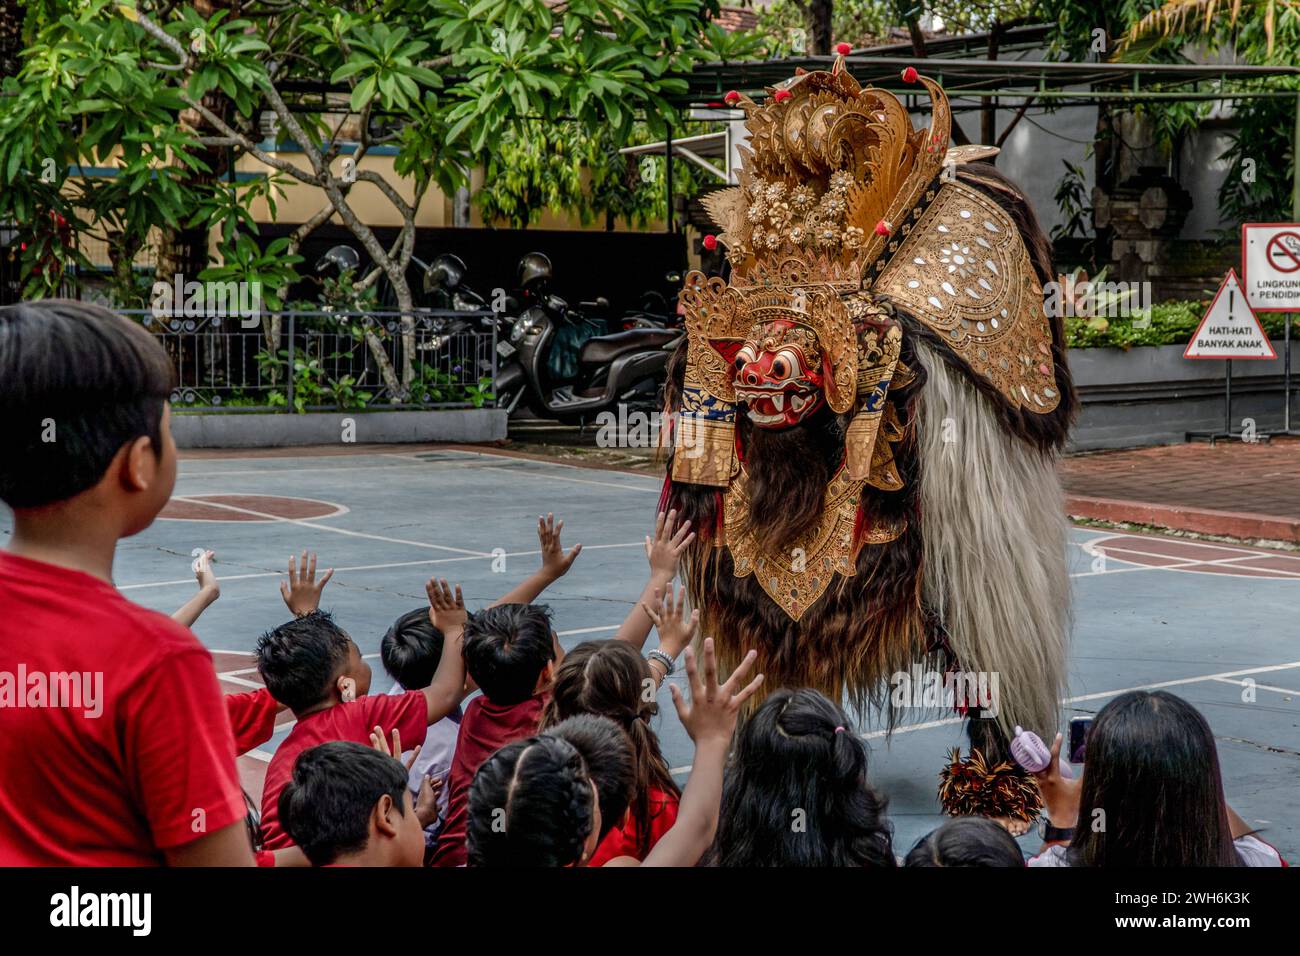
(843, 49)
(909, 75)
(781, 95)
(710, 242)
(731, 97)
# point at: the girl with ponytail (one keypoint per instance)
(610, 679)
(796, 791)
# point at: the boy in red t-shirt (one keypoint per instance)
(348, 805)
(314, 668)
(116, 746)
(510, 650)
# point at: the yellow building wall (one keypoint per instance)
(298, 202)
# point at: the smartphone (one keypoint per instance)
(1079, 727)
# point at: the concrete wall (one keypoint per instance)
(1154, 396)
(275, 430)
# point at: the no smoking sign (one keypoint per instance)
(1270, 262)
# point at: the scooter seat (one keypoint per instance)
(606, 348)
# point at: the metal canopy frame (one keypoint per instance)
(1046, 81)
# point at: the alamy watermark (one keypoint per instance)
(74, 908)
(929, 689)
(66, 690)
(1099, 298)
(633, 428)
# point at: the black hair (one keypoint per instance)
(506, 649)
(608, 678)
(325, 808)
(530, 805)
(608, 753)
(412, 649)
(531, 802)
(76, 384)
(964, 842)
(300, 659)
(1152, 794)
(796, 791)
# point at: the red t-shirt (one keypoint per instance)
(623, 840)
(132, 752)
(409, 713)
(252, 718)
(485, 729)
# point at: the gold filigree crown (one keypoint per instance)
(830, 171)
(839, 192)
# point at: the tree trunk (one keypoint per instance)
(817, 15)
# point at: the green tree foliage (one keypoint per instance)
(151, 87)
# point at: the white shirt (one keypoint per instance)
(1253, 852)
(434, 761)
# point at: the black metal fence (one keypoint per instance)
(299, 361)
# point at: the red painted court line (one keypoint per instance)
(1271, 562)
(1197, 556)
(209, 508)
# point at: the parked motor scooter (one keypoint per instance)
(623, 368)
(658, 307)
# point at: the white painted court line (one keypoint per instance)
(1276, 690)
(1186, 565)
(203, 500)
(241, 681)
(304, 523)
(280, 472)
(1075, 700)
(585, 481)
(1241, 555)
(223, 578)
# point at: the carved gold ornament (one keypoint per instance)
(795, 580)
(963, 271)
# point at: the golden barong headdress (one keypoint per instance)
(841, 206)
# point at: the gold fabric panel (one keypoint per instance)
(964, 272)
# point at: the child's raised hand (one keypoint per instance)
(555, 563)
(380, 743)
(712, 712)
(426, 801)
(664, 549)
(302, 591)
(676, 627)
(202, 567)
(1060, 793)
(446, 607)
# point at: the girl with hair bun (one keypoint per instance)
(796, 792)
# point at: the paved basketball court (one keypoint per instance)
(1213, 623)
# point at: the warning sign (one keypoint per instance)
(1270, 264)
(1230, 329)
